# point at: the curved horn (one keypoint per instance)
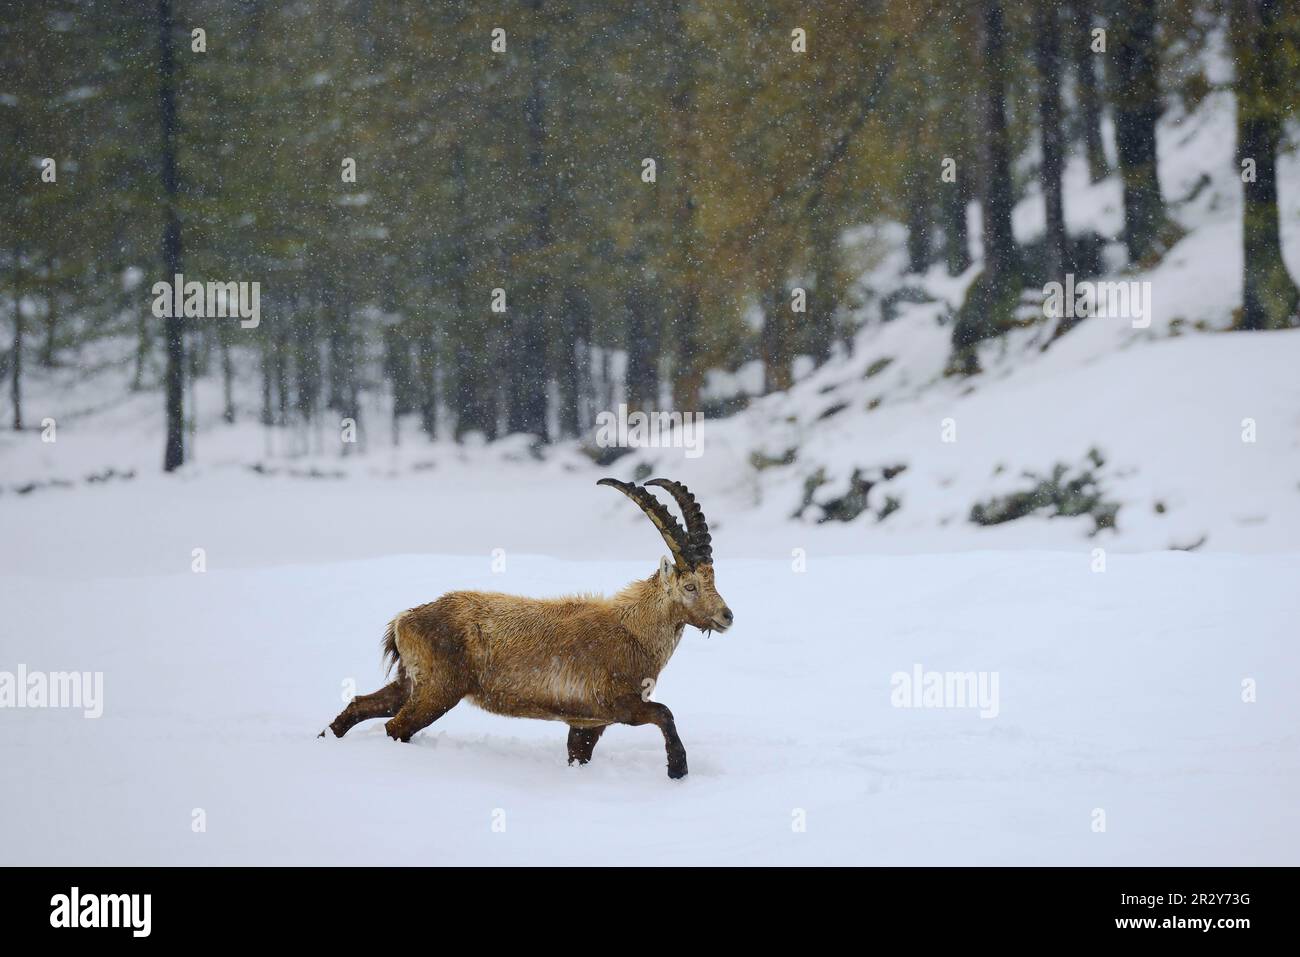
(697, 529)
(675, 537)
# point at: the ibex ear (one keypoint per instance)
(666, 567)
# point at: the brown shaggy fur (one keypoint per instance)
(587, 661)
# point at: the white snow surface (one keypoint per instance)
(1118, 690)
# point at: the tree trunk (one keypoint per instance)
(335, 350)
(16, 357)
(282, 378)
(953, 201)
(475, 378)
(397, 369)
(992, 297)
(472, 332)
(306, 315)
(425, 386)
(1137, 110)
(999, 241)
(918, 214)
(642, 346)
(777, 358)
(822, 298)
(345, 359)
(1087, 93)
(1047, 49)
(173, 326)
(575, 316)
(125, 300)
(426, 368)
(48, 346)
(227, 380)
(268, 417)
(528, 379)
(689, 358)
(1269, 296)
(584, 333)
(143, 346)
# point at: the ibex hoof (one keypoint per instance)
(677, 770)
(397, 732)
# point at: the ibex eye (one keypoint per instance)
(690, 588)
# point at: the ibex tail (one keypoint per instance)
(391, 654)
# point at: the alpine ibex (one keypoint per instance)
(586, 661)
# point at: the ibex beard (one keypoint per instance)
(586, 660)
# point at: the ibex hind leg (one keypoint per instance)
(384, 703)
(427, 703)
(434, 665)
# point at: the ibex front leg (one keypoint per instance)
(582, 742)
(634, 711)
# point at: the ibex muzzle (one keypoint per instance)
(589, 662)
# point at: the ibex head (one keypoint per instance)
(687, 579)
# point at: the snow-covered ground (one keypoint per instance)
(1122, 691)
(1119, 690)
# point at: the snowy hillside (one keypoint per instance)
(1198, 431)
(1166, 406)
